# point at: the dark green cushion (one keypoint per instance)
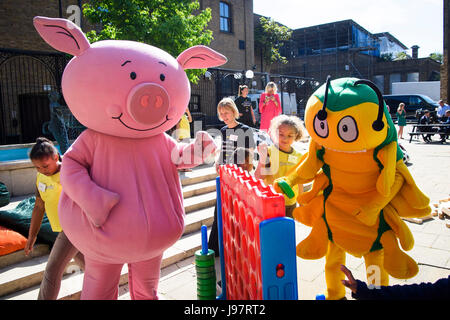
(4, 195)
(19, 220)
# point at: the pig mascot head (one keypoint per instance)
(121, 199)
(123, 88)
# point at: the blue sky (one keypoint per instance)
(413, 22)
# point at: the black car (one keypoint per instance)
(413, 102)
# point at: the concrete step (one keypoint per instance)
(20, 276)
(71, 284)
(200, 174)
(199, 188)
(25, 272)
(199, 202)
(195, 219)
(19, 256)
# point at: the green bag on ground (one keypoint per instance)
(4, 195)
(19, 220)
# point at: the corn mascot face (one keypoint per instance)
(349, 115)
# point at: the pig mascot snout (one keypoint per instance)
(122, 200)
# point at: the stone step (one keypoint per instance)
(28, 272)
(71, 284)
(199, 202)
(19, 256)
(199, 188)
(20, 275)
(195, 219)
(197, 175)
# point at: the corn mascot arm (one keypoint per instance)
(361, 187)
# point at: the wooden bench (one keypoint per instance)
(412, 134)
(416, 127)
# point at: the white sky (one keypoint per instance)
(413, 22)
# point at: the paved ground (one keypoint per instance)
(430, 166)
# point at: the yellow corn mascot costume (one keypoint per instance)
(361, 187)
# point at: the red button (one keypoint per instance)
(280, 270)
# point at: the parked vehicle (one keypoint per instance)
(412, 102)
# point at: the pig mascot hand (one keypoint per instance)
(122, 200)
(194, 153)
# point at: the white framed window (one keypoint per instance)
(225, 17)
(412, 77)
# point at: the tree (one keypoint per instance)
(389, 56)
(269, 38)
(437, 56)
(402, 56)
(172, 25)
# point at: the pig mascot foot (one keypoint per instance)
(143, 278)
(101, 280)
(122, 200)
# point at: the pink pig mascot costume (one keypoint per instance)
(122, 200)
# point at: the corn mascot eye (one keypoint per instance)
(347, 129)
(321, 127)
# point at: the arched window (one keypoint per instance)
(225, 17)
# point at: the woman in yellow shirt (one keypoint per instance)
(276, 161)
(47, 161)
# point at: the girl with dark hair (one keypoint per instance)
(244, 105)
(47, 161)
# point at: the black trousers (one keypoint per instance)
(213, 242)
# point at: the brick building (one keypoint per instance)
(232, 27)
(29, 68)
(346, 49)
(16, 23)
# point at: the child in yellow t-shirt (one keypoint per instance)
(183, 127)
(276, 160)
(47, 161)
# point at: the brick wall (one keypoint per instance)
(242, 29)
(17, 29)
(426, 67)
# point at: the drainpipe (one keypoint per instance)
(60, 9)
(81, 14)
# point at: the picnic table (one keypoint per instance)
(418, 129)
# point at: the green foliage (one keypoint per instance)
(269, 38)
(387, 56)
(172, 25)
(437, 56)
(402, 56)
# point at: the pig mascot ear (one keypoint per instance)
(62, 34)
(200, 57)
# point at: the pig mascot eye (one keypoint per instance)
(162, 77)
(133, 75)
